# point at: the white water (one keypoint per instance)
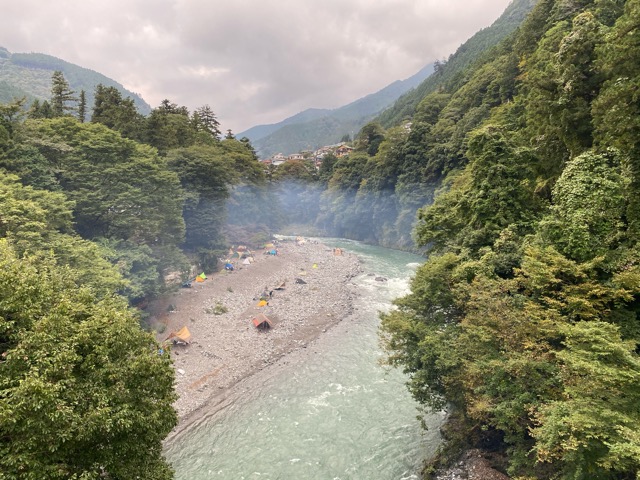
(326, 412)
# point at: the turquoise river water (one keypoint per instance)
(329, 411)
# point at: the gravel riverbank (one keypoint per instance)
(226, 347)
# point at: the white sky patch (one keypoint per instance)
(202, 71)
(247, 91)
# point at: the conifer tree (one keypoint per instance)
(117, 113)
(204, 120)
(247, 143)
(46, 110)
(34, 109)
(61, 95)
(82, 107)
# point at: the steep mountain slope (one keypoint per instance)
(522, 319)
(467, 54)
(29, 75)
(316, 127)
(260, 131)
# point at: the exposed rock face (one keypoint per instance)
(472, 466)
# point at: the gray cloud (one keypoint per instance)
(252, 61)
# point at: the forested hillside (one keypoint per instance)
(96, 216)
(453, 68)
(523, 163)
(524, 321)
(29, 75)
(374, 194)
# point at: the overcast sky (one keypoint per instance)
(252, 61)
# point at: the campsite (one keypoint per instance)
(241, 320)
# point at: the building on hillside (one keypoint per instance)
(278, 159)
(321, 152)
(295, 156)
(343, 151)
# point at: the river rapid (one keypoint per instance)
(329, 411)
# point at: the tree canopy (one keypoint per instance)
(516, 168)
(84, 392)
(525, 318)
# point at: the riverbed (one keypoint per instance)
(330, 410)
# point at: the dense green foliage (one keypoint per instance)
(94, 217)
(145, 190)
(517, 166)
(83, 390)
(526, 317)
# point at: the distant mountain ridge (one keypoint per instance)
(316, 127)
(29, 75)
(260, 131)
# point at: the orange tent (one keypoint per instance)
(182, 335)
(261, 322)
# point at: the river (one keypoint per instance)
(330, 411)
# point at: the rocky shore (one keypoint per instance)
(225, 346)
(472, 465)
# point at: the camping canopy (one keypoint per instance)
(261, 322)
(182, 335)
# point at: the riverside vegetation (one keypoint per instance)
(522, 163)
(524, 320)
